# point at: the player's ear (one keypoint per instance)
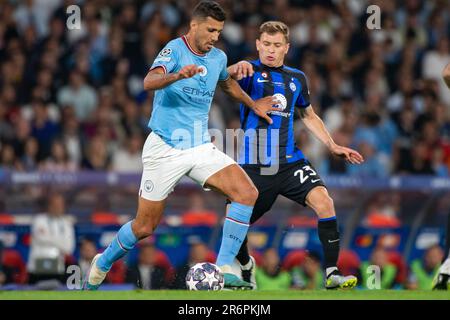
(258, 43)
(193, 24)
(287, 48)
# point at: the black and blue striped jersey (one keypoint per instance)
(265, 144)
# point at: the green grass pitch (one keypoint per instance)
(227, 295)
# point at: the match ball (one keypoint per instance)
(204, 276)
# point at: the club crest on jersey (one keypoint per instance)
(204, 71)
(165, 52)
(292, 86)
(264, 75)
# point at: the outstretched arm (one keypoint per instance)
(314, 124)
(240, 70)
(157, 78)
(260, 106)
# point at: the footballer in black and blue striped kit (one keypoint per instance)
(289, 87)
(272, 145)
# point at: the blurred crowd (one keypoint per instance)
(73, 99)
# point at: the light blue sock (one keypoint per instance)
(234, 231)
(123, 242)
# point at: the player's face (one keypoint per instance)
(207, 33)
(272, 49)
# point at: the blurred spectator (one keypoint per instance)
(197, 213)
(146, 274)
(8, 158)
(309, 275)
(422, 271)
(71, 136)
(270, 276)
(128, 159)
(383, 210)
(88, 250)
(29, 160)
(52, 238)
(43, 129)
(379, 258)
(79, 95)
(97, 156)
(59, 160)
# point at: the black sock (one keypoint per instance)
(243, 256)
(329, 237)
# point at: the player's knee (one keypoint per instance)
(250, 195)
(246, 196)
(143, 229)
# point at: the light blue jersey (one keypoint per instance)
(180, 110)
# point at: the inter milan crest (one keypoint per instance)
(292, 86)
(264, 75)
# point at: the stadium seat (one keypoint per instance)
(349, 262)
(13, 259)
(197, 218)
(396, 258)
(105, 218)
(293, 259)
(6, 219)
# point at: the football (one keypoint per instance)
(204, 276)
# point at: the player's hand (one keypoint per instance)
(241, 70)
(348, 154)
(189, 71)
(264, 105)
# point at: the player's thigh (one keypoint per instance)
(214, 169)
(298, 181)
(163, 167)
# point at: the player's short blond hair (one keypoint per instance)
(272, 27)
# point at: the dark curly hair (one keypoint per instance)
(207, 9)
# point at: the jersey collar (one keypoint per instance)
(186, 42)
(271, 68)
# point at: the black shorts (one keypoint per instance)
(293, 180)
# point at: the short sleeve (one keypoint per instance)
(245, 82)
(167, 59)
(224, 75)
(303, 99)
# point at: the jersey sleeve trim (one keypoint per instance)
(159, 66)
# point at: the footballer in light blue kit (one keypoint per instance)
(184, 105)
(185, 75)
